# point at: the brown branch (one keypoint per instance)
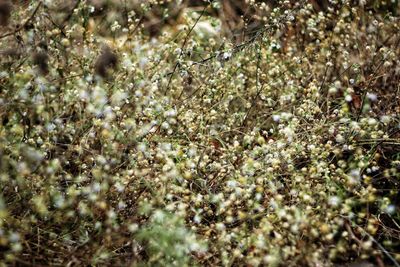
(183, 47)
(69, 16)
(352, 235)
(24, 24)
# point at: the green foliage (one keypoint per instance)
(169, 242)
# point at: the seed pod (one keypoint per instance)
(41, 60)
(5, 12)
(107, 59)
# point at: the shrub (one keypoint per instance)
(199, 133)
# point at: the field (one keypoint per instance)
(200, 133)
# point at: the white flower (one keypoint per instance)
(348, 98)
(390, 209)
(231, 184)
(14, 237)
(165, 125)
(371, 96)
(385, 119)
(372, 121)
(158, 216)
(121, 205)
(118, 97)
(133, 227)
(143, 62)
(50, 127)
(340, 138)
(197, 219)
(334, 201)
(227, 55)
(354, 176)
(205, 30)
(276, 118)
(289, 133)
(170, 113)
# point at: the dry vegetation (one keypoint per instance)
(215, 133)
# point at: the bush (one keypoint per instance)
(179, 133)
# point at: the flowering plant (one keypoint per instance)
(179, 133)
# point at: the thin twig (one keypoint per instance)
(259, 88)
(69, 16)
(238, 48)
(380, 246)
(183, 47)
(25, 23)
